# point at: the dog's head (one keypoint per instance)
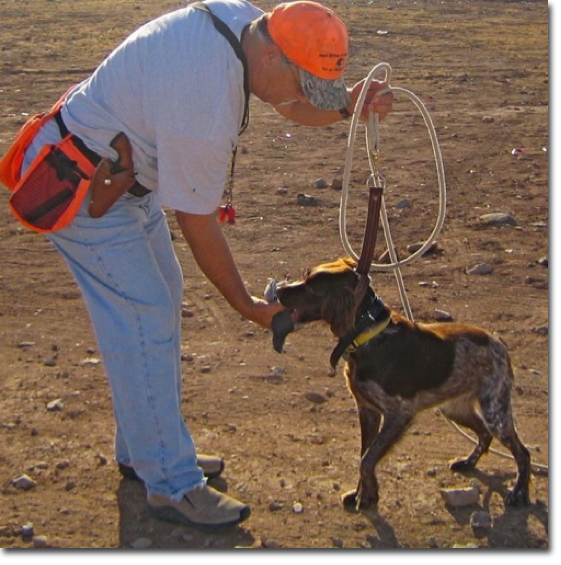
(330, 292)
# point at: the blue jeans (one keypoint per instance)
(131, 281)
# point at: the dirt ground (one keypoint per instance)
(481, 67)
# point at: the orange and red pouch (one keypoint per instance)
(49, 195)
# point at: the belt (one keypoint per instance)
(136, 189)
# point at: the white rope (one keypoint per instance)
(372, 136)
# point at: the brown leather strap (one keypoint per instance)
(370, 231)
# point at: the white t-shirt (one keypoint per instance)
(175, 88)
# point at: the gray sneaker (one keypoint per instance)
(204, 508)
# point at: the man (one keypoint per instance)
(175, 87)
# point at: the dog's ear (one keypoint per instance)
(339, 310)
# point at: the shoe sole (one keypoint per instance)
(169, 514)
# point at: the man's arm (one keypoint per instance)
(212, 254)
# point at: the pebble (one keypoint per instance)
(27, 530)
(64, 464)
(461, 496)
(55, 405)
(414, 247)
(315, 397)
(465, 546)
(432, 543)
(306, 200)
(50, 362)
(442, 316)
(275, 506)
(40, 541)
(269, 543)
(487, 119)
(542, 330)
(205, 369)
(337, 542)
(141, 543)
(321, 183)
(480, 269)
(337, 184)
(498, 219)
(90, 361)
(543, 261)
(404, 203)
(481, 519)
(298, 508)
(24, 482)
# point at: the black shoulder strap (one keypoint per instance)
(224, 30)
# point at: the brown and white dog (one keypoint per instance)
(396, 368)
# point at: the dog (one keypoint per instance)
(396, 368)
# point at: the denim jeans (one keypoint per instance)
(131, 281)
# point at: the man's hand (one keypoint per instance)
(262, 312)
(211, 251)
(376, 100)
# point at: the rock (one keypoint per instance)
(70, 485)
(404, 203)
(24, 483)
(498, 219)
(442, 316)
(431, 473)
(306, 200)
(432, 543)
(337, 542)
(90, 361)
(27, 530)
(487, 119)
(481, 519)
(297, 508)
(321, 183)
(275, 506)
(141, 543)
(480, 269)
(315, 397)
(40, 541)
(205, 369)
(64, 464)
(282, 191)
(543, 261)
(414, 247)
(178, 533)
(336, 184)
(55, 405)
(269, 543)
(26, 344)
(50, 362)
(461, 496)
(541, 330)
(464, 546)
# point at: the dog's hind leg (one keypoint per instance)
(497, 411)
(462, 412)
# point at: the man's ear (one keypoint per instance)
(339, 311)
(270, 54)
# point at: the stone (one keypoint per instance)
(461, 496)
(321, 183)
(498, 219)
(275, 506)
(269, 543)
(297, 508)
(481, 519)
(27, 530)
(487, 119)
(442, 316)
(480, 269)
(336, 184)
(315, 397)
(40, 541)
(141, 543)
(544, 261)
(55, 405)
(403, 203)
(414, 247)
(306, 200)
(24, 482)
(337, 542)
(541, 330)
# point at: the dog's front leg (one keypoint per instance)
(369, 427)
(394, 425)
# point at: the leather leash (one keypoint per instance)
(370, 230)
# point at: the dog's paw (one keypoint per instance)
(520, 497)
(349, 499)
(462, 465)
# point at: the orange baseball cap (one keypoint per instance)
(314, 39)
